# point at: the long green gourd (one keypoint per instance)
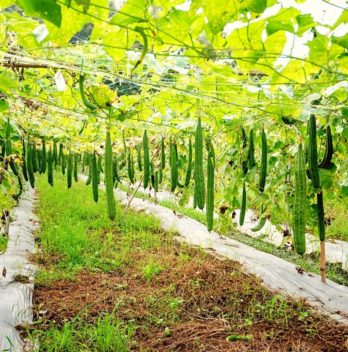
(173, 167)
(130, 166)
(84, 98)
(70, 170)
(55, 154)
(109, 183)
(44, 157)
(50, 161)
(75, 168)
(244, 145)
(263, 168)
(243, 206)
(189, 165)
(314, 173)
(210, 186)
(329, 150)
(24, 161)
(146, 157)
(34, 158)
(30, 165)
(64, 157)
(299, 213)
(199, 173)
(163, 154)
(251, 152)
(89, 178)
(61, 153)
(139, 161)
(95, 183)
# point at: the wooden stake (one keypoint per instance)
(322, 262)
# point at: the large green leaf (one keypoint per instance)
(48, 10)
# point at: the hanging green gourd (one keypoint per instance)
(24, 161)
(189, 165)
(263, 167)
(30, 165)
(198, 167)
(139, 157)
(251, 151)
(299, 213)
(173, 167)
(75, 168)
(109, 183)
(210, 186)
(50, 161)
(55, 154)
(130, 165)
(243, 206)
(43, 157)
(314, 172)
(95, 183)
(146, 158)
(70, 170)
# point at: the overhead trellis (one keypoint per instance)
(165, 56)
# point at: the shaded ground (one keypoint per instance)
(134, 284)
(197, 300)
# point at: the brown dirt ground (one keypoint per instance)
(217, 300)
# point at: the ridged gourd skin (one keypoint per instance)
(55, 153)
(146, 158)
(198, 170)
(24, 161)
(314, 172)
(173, 167)
(263, 167)
(139, 158)
(50, 161)
(109, 183)
(189, 165)
(34, 158)
(313, 152)
(299, 212)
(43, 157)
(70, 170)
(251, 152)
(210, 187)
(89, 178)
(243, 206)
(116, 175)
(156, 183)
(329, 151)
(61, 153)
(75, 168)
(130, 166)
(63, 162)
(163, 154)
(30, 165)
(95, 183)
(244, 145)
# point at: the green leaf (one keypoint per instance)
(3, 105)
(275, 26)
(342, 41)
(304, 23)
(46, 9)
(258, 6)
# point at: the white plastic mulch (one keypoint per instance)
(15, 296)
(276, 273)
